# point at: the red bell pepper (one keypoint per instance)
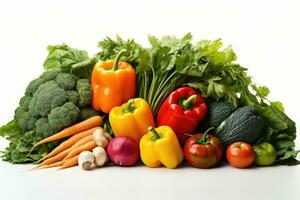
(183, 109)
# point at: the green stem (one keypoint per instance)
(139, 80)
(162, 85)
(118, 57)
(152, 86)
(129, 107)
(188, 103)
(155, 135)
(160, 99)
(204, 139)
(161, 88)
(145, 88)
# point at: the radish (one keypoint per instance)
(123, 151)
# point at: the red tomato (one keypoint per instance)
(240, 154)
(203, 151)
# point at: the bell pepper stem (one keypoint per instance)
(129, 107)
(204, 139)
(118, 57)
(155, 135)
(188, 103)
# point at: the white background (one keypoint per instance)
(264, 34)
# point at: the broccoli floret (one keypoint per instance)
(58, 118)
(25, 121)
(52, 102)
(33, 86)
(66, 81)
(49, 75)
(43, 127)
(73, 96)
(86, 113)
(24, 102)
(48, 96)
(72, 110)
(85, 92)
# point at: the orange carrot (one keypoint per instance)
(56, 158)
(83, 141)
(72, 130)
(70, 162)
(56, 164)
(69, 142)
(86, 147)
(64, 153)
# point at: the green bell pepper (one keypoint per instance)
(265, 154)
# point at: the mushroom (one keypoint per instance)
(86, 160)
(101, 138)
(100, 156)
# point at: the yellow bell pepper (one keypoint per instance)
(131, 119)
(160, 146)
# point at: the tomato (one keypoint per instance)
(203, 151)
(240, 154)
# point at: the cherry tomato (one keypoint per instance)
(240, 154)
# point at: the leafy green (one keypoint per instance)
(21, 144)
(171, 62)
(10, 130)
(67, 59)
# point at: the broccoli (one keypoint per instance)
(52, 102)
(85, 92)
(58, 118)
(73, 96)
(86, 113)
(42, 127)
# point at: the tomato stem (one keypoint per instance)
(204, 139)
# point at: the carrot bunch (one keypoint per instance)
(80, 139)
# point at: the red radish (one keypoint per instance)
(123, 151)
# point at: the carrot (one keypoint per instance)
(72, 130)
(64, 153)
(56, 164)
(70, 162)
(69, 142)
(56, 158)
(86, 147)
(83, 141)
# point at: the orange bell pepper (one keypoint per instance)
(113, 83)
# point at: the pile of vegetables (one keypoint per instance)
(155, 102)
